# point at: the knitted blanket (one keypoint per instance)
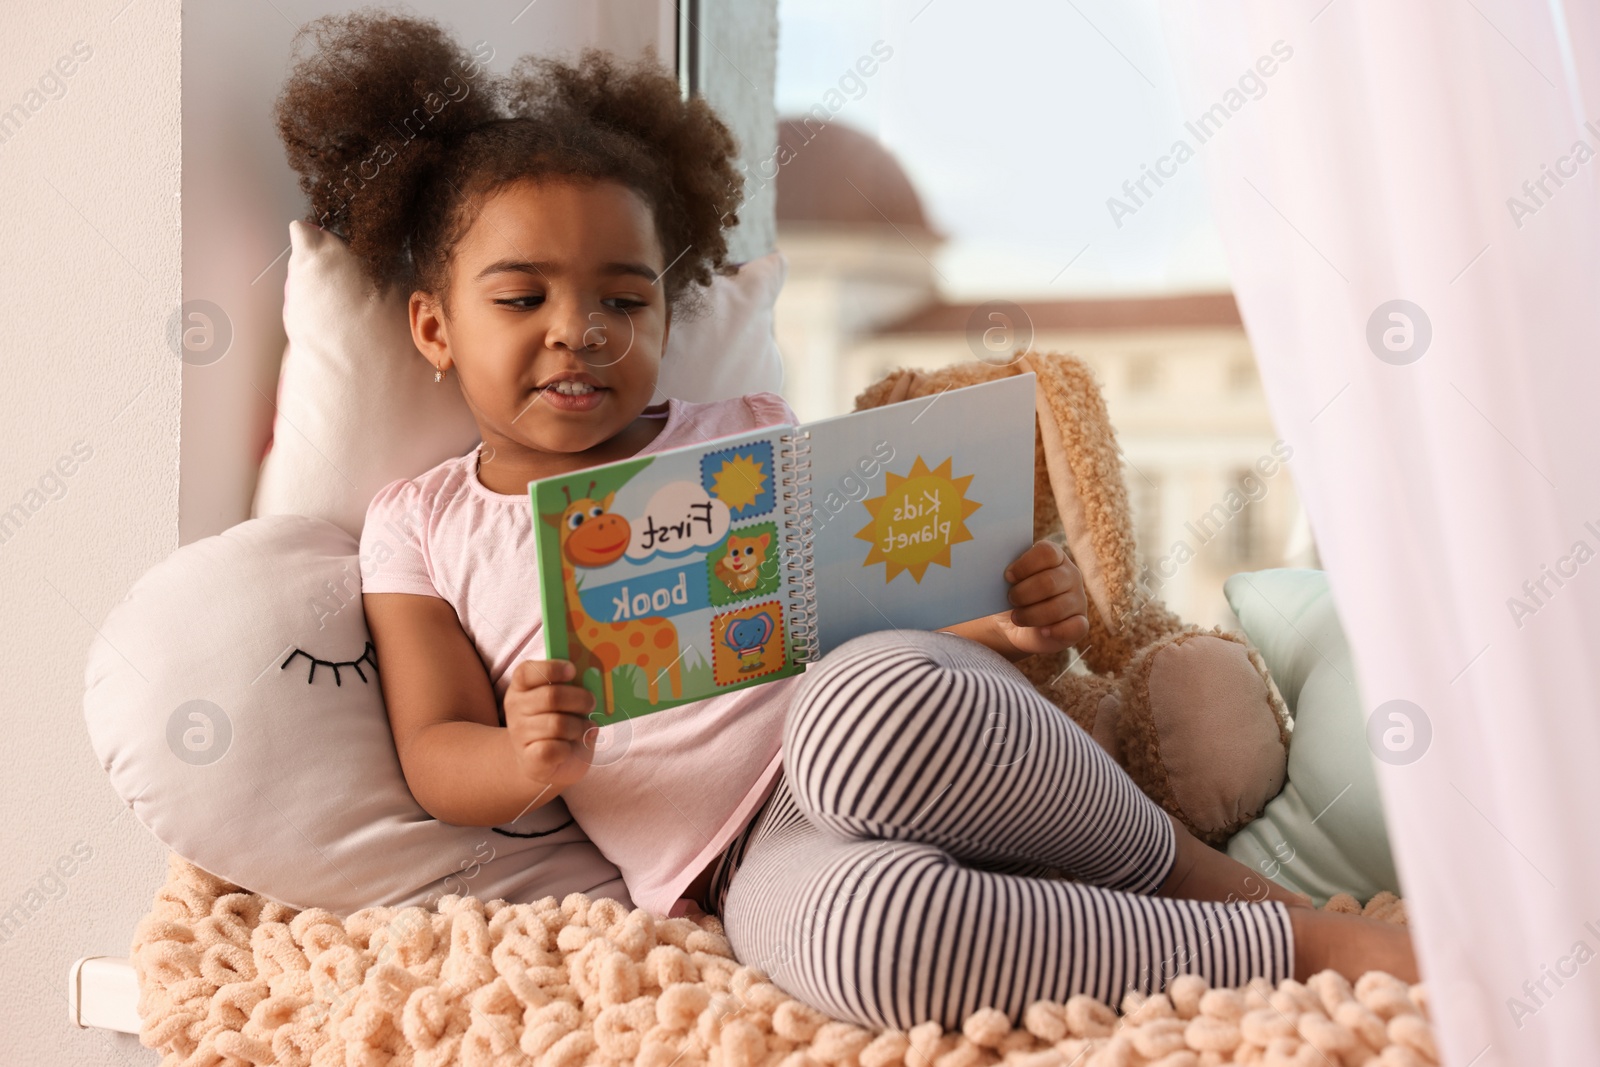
(229, 978)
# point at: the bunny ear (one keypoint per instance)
(1084, 469)
(1076, 522)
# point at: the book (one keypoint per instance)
(678, 575)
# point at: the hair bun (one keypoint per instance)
(368, 111)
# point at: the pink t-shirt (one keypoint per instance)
(668, 791)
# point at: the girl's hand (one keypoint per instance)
(548, 722)
(1049, 601)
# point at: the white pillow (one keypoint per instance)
(358, 406)
(277, 772)
(1324, 834)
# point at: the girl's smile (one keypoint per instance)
(572, 392)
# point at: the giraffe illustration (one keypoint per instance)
(591, 535)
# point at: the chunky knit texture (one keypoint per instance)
(227, 978)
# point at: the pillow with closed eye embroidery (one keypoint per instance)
(358, 408)
(233, 699)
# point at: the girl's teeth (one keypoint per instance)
(573, 388)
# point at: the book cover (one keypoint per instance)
(917, 508)
(678, 575)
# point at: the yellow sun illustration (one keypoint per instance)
(916, 520)
(739, 482)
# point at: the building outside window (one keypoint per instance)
(912, 194)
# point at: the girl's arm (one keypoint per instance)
(460, 764)
(986, 631)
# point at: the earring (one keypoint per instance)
(438, 375)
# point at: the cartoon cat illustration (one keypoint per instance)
(740, 566)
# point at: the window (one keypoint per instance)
(1242, 374)
(1244, 531)
(1144, 373)
(1145, 502)
(910, 237)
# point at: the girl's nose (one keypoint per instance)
(569, 328)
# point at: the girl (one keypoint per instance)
(866, 831)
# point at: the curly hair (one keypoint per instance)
(399, 134)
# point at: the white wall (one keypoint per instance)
(89, 277)
(94, 268)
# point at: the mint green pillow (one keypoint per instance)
(1324, 833)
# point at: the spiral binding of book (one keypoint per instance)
(797, 558)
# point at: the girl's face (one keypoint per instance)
(555, 282)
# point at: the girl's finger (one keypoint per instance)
(1070, 630)
(547, 699)
(1056, 609)
(1040, 556)
(536, 672)
(561, 726)
(574, 699)
(1037, 588)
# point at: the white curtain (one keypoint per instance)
(1444, 154)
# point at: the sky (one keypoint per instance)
(1017, 120)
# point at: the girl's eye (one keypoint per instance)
(575, 520)
(522, 303)
(623, 303)
(596, 511)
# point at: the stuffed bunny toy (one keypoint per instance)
(1192, 715)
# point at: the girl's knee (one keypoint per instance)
(848, 680)
(870, 693)
(851, 696)
(811, 931)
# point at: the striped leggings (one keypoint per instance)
(944, 839)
